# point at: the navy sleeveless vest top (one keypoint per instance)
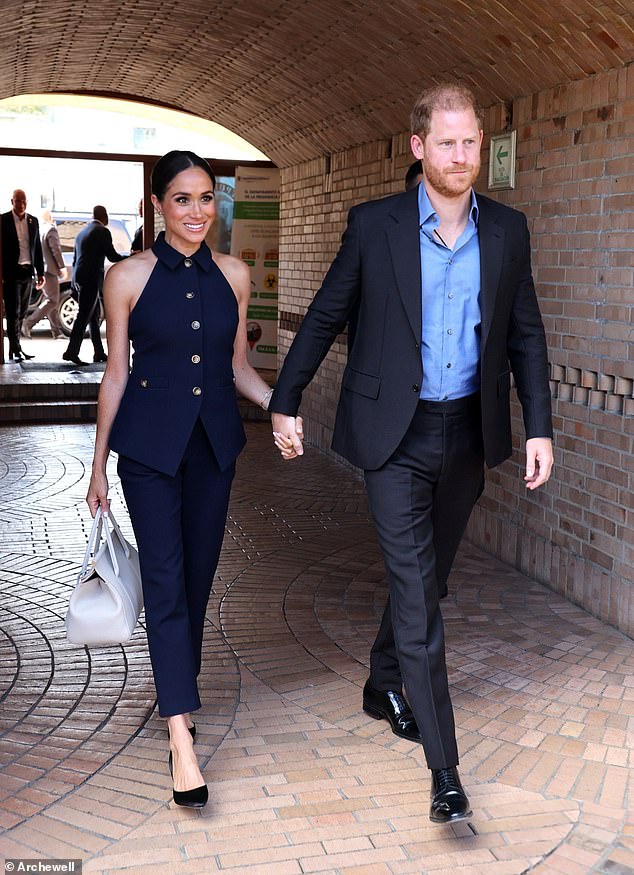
(182, 330)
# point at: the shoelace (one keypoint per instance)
(446, 780)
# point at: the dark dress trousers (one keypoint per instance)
(423, 461)
(178, 432)
(18, 279)
(93, 244)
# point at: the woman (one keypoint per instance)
(174, 421)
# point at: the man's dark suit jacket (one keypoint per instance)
(378, 269)
(11, 246)
(92, 245)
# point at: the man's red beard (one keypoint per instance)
(449, 184)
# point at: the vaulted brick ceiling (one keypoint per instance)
(300, 78)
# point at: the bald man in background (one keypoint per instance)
(22, 261)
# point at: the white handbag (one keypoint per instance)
(108, 598)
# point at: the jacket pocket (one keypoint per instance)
(363, 384)
(144, 382)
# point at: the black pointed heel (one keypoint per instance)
(196, 798)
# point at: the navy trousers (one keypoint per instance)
(421, 500)
(179, 525)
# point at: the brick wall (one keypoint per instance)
(575, 182)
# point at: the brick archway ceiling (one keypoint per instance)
(299, 78)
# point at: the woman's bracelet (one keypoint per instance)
(264, 403)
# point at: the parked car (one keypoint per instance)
(68, 226)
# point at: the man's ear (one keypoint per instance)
(417, 146)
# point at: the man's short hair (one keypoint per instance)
(450, 97)
(100, 213)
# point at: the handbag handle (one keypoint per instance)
(101, 524)
(93, 537)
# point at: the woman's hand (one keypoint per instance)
(288, 435)
(98, 493)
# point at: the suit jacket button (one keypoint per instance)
(197, 390)
(189, 295)
(415, 388)
(195, 324)
(143, 384)
(188, 262)
(196, 359)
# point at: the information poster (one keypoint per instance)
(255, 239)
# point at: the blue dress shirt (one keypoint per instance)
(450, 346)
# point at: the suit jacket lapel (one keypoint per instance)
(404, 245)
(491, 240)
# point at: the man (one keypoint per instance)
(447, 309)
(92, 245)
(137, 240)
(53, 266)
(414, 175)
(21, 258)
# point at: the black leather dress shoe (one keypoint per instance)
(16, 357)
(449, 801)
(100, 358)
(196, 798)
(391, 706)
(25, 355)
(73, 358)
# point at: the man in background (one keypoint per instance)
(53, 267)
(21, 261)
(414, 175)
(137, 240)
(93, 244)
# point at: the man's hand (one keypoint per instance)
(40, 282)
(539, 461)
(288, 434)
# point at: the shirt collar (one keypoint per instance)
(172, 258)
(427, 213)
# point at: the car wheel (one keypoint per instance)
(67, 309)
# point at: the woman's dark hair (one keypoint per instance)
(173, 163)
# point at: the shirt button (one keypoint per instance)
(448, 364)
(196, 359)
(415, 388)
(451, 296)
(189, 295)
(197, 390)
(450, 331)
(143, 384)
(188, 262)
(195, 325)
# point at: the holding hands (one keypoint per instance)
(288, 435)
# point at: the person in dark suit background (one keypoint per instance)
(21, 260)
(414, 175)
(93, 244)
(447, 311)
(137, 240)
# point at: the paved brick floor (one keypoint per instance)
(301, 781)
